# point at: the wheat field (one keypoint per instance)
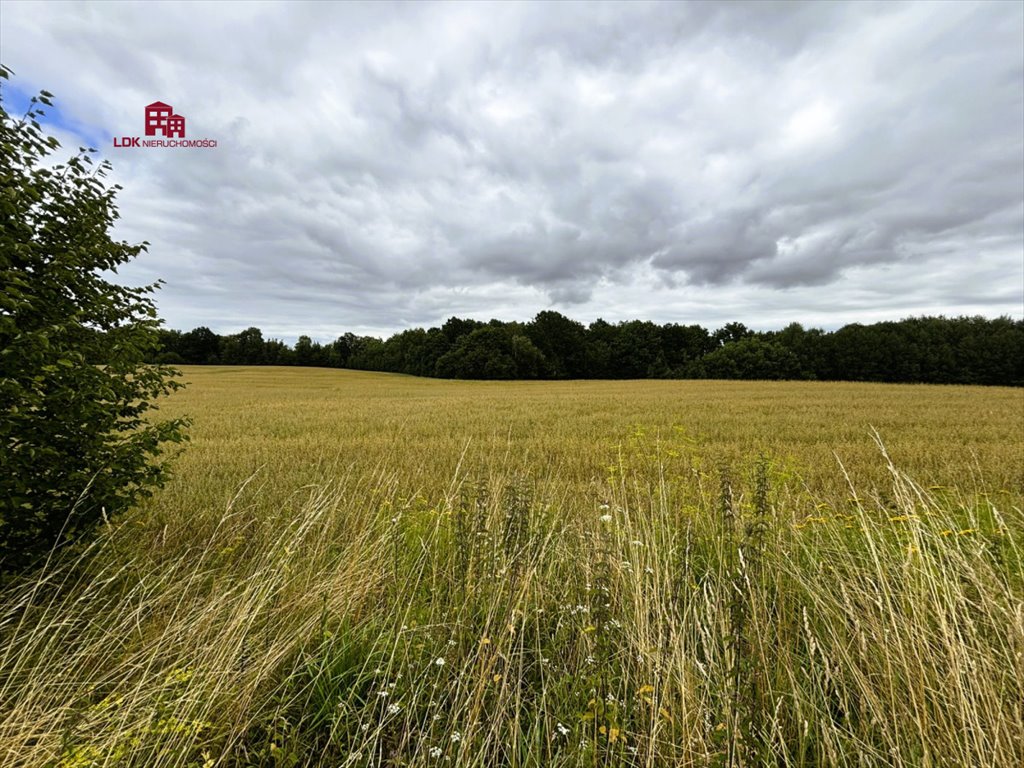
(356, 569)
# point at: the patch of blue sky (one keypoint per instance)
(17, 102)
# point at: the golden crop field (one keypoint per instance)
(358, 569)
(296, 426)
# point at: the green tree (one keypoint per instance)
(304, 354)
(562, 342)
(731, 332)
(252, 347)
(201, 345)
(683, 344)
(76, 438)
(636, 351)
(492, 352)
(750, 358)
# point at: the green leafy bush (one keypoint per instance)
(76, 440)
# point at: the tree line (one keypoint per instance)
(939, 350)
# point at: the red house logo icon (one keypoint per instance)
(160, 119)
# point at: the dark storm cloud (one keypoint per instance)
(380, 165)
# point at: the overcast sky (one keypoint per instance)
(387, 166)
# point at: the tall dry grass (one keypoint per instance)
(667, 614)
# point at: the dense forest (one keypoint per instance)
(961, 350)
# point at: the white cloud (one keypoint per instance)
(381, 166)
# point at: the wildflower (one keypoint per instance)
(456, 737)
(485, 641)
(394, 709)
(606, 518)
(496, 678)
(589, 659)
(179, 675)
(439, 661)
(435, 752)
(382, 694)
(562, 730)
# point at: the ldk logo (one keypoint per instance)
(161, 121)
(160, 118)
